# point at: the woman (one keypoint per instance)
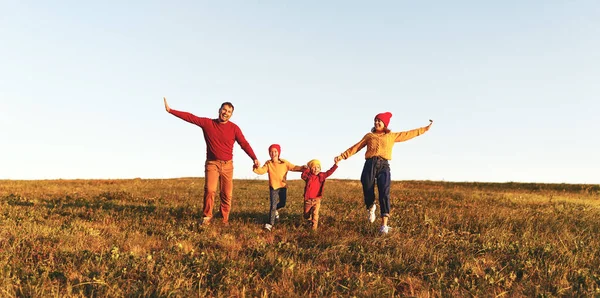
(379, 143)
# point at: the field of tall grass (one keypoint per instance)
(142, 238)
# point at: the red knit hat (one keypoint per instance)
(276, 146)
(384, 117)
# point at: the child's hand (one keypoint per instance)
(337, 159)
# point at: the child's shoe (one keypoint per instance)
(268, 227)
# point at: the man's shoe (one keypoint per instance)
(268, 227)
(276, 214)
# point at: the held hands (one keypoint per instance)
(337, 159)
(256, 164)
(166, 105)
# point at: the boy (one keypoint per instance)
(313, 191)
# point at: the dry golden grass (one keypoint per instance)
(136, 237)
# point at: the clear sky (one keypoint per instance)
(513, 86)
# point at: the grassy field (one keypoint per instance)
(142, 238)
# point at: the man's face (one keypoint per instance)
(274, 154)
(315, 169)
(225, 113)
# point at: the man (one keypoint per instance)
(219, 134)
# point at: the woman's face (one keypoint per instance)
(379, 126)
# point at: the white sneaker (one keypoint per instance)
(276, 214)
(384, 229)
(268, 227)
(372, 213)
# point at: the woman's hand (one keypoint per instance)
(430, 122)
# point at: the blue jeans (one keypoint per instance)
(377, 170)
(278, 198)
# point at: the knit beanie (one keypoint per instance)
(384, 117)
(314, 162)
(276, 146)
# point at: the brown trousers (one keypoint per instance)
(311, 211)
(218, 172)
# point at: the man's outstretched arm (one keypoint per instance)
(189, 117)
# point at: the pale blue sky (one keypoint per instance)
(513, 86)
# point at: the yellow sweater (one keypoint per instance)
(381, 144)
(277, 172)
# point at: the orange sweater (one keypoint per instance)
(382, 144)
(277, 172)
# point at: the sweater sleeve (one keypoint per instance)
(407, 135)
(357, 147)
(239, 137)
(305, 173)
(261, 170)
(329, 172)
(292, 167)
(189, 117)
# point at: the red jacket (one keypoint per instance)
(315, 183)
(219, 137)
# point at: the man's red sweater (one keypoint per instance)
(219, 137)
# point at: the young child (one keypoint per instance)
(277, 169)
(313, 191)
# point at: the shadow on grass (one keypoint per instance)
(66, 206)
(249, 217)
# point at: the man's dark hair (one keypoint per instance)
(227, 104)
